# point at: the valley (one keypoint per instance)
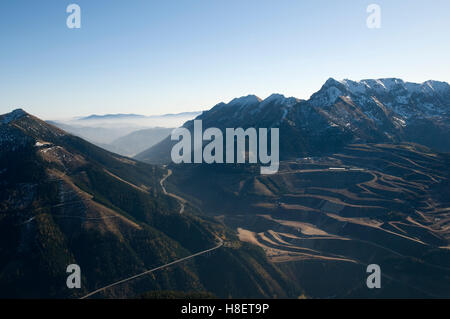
(65, 201)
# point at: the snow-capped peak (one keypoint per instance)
(245, 100)
(329, 93)
(357, 87)
(280, 99)
(378, 85)
(386, 85)
(436, 85)
(275, 97)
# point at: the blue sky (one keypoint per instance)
(155, 57)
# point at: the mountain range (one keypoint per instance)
(134, 116)
(364, 179)
(341, 112)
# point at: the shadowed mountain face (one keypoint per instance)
(65, 201)
(340, 113)
(322, 220)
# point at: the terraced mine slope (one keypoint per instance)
(324, 219)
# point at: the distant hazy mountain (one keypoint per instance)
(121, 116)
(110, 131)
(65, 201)
(110, 116)
(138, 141)
(99, 135)
(127, 141)
(341, 112)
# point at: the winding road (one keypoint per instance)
(182, 202)
(180, 199)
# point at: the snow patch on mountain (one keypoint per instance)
(391, 85)
(326, 96)
(245, 101)
(14, 115)
(356, 87)
(279, 99)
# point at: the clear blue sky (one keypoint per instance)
(154, 57)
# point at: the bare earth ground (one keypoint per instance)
(371, 204)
